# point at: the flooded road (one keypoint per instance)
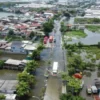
(54, 83)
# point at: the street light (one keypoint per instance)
(36, 97)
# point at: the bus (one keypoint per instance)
(55, 68)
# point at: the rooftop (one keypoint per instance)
(13, 62)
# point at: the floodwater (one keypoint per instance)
(90, 39)
(89, 81)
(5, 14)
(5, 56)
(8, 74)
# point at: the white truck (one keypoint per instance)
(55, 68)
(94, 89)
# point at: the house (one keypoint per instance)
(8, 86)
(16, 47)
(13, 64)
(10, 96)
(29, 48)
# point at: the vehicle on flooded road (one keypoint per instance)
(88, 90)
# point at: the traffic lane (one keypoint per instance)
(53, 88)
(59, 57)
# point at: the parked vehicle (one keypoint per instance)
(51, 39)
(94, 89)
(89, 90)
(45, 41)
(54, 40)
(82, 84)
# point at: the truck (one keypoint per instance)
(55, 68)
(45, 40)
(51, 39)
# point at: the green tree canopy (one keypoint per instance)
(2, 97)
(70, 97)
(48, 26)
(25, 77)
(40, 47)
(1, 63)
(32, 34)
(36, 54)
(73, 84)
(31, 66)
(11, 32)
(23, 89)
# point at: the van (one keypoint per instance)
(94, 89)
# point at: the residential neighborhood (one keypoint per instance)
(50, 50)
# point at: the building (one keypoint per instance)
(8, 86)
(16, 47)
(10, 96)
(93, 12)
(14, 64)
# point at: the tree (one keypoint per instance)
(73, 84)
(25, 77)
(76, 62)
(40, 47)
(23, 89)
(98, 44)
(80, 45)
(48, 26)
(70, 97)
(2, 97)
(71, 71)
(31, 66)
(1, 63)
(11, 32)
(36, 55)
(31, 35)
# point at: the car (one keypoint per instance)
(54, 40)
(82, 84)
(88, 90)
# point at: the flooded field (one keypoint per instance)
(5, 56)
(8, 74)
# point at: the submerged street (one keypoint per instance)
(54, 82)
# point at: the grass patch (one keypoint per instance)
(93, 28)
(87, 20)
(93, 50)
(14, 38)
(76, 34)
